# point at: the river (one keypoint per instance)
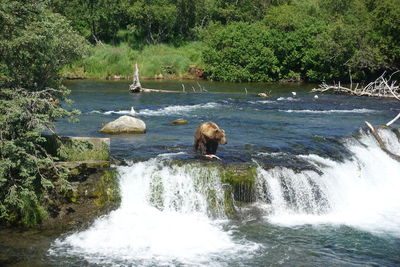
(328, 195)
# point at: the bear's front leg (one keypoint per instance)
(203, 148)
(196, 145)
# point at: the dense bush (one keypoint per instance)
(34, 45)
(240, 52)
(314, 40)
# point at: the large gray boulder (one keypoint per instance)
(124, 124)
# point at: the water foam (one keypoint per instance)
(121, 112)
(179, 109)
(262, 102)
(163, 220)
(361, 192)
(170, 110)
(361, 110)
(287, 99)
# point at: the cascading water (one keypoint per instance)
(164, 218)
(361, 192)
(173, 214)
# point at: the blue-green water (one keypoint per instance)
(276, 124)
(326, 195)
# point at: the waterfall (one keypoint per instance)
(169, 214)
(173, 213)
(362, 191)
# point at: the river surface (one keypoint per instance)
(331, 194)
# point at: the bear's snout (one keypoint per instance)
(223, 140)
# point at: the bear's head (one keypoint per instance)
(220, 136)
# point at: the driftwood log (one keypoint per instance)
(381, 87)
(382, 145)
(136, 86)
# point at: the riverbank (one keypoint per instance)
(155, 62)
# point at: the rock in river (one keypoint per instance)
(124, 124)
(179, 121)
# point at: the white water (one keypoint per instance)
(360, 110)
(165, 217)
(287, 99)
(178, 231)
(362, 192)
(170, 110)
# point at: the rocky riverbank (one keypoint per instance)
(93, 187)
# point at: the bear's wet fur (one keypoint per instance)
(208, 136)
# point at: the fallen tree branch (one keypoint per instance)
(392, 121)
(378, 88)
(381, 143)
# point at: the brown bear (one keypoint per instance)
(208, 135)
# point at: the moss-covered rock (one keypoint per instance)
(229, 205)
(242, 178)
(92, 194)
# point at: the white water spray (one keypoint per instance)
(164, 219)
(361, 192)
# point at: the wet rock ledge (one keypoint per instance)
(93, 188)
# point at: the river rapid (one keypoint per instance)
(326, 193)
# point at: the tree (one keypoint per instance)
(33, 52)
(240, 52)
(96, 20)
(153, 20)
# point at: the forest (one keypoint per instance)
(236, 40)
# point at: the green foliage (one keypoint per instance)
(33, 54)
(314, 40)
(95, 20)
(153, 20)
(106, 60)
(168, 60)
(386, 25)
(34, 44)
(240, 52)
(81, 150)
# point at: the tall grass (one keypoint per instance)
(106, 61)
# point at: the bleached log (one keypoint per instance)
(380, 142)
(378, 88)
(136, 87)
(392, 121)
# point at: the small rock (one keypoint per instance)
(124, 124)
(179, 121)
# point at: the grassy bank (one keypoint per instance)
(155, 61)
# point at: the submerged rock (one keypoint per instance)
(179, 121)
(124, 124)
